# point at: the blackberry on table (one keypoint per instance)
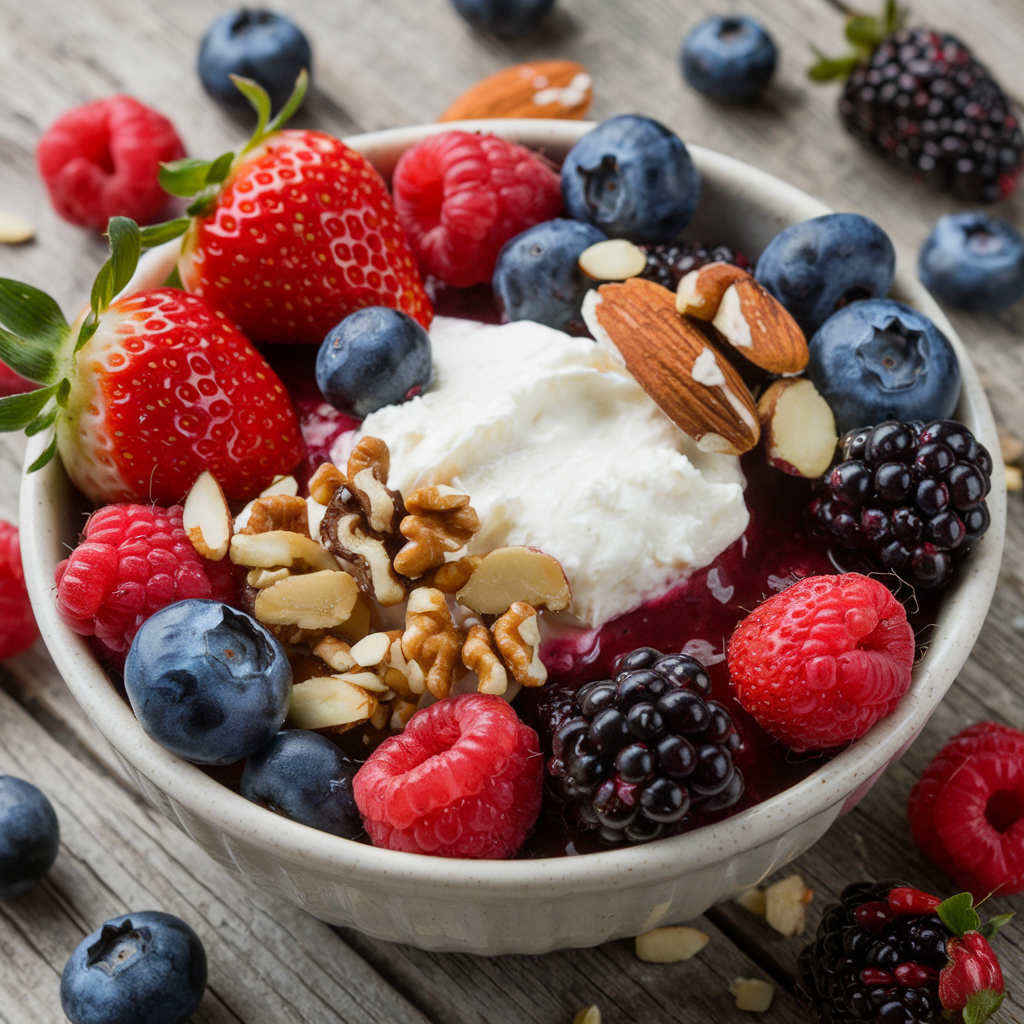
(668, 264)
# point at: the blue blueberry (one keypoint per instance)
(728, 59)
(256, 44)
(208, 682)
(375, 357)
(142, 968)
(29, 836)
(304, 776)
(538, 277)
(632, 178)
(972, 261)
(880, 360)
(818, 266)
(505, 18)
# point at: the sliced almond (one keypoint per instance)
(670, 945)
(543, 88)
(700, 291)
(315, 600)
(325, 702)
(260, 579)
(359, 623)
(752, 994)
(14, 228)
(371, 650)
(335, 653)
(614, 259)
(366, 681)
(786, 905)
(757, 325)
(206, 518)
(279, 548)
(516, 573)
(588, 1015)
(798, 426)
(752, 900)
(673, 362)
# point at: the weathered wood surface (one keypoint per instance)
(381, 64)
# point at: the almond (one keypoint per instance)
(614, 259)
(516, 573)
(327, 702)
(673, 362)
(206, 518)
(798, 426)
(316, 600)
(543, 88)
(700, 291)
(757, 325)
(278, 548)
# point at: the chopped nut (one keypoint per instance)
(452, 576)
(262, 578)
(280, 548)
(317, 600)
(1014, 478)
(479, 655)
(401, 712)
(431, 640)
(359, 623)
(440, 521)
(798, 427)
(753, 900)
(372, 649)
(206, 518)
(752, 994)
(344, 530)
(335, 654)
(670, 945)
(324, 482)
(368, 468)
(366, 681)
(700, 292)
(15, 228)
(278, 512)
(786, 905)
(510, 574)
(329, 702)
(590, 1015)
(614, 259)
(517, 635)
(281, 484)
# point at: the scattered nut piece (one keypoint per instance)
(510, 574)
(366, 680)
(329, 702)
(431, 640)
(335, 654)
(317, 600)
(206, 518)
(614, 259)
(1014, 478)
(401, 712)
(480, 656)
(589, 1015)
(259, 579)
(371, 650)
(752, 994)
(368, 468)
(359, 623)
(786, 905)
(753, 900)
(753, 321)
(324, 482)
(281, 485)
(700, 291)
(344, 530)
(14, 228)
(517, 635)
(440, 521)
(670, 945)
(280, 548)
(278, 512)
(452, 576)
(542, 88)
(798, 427)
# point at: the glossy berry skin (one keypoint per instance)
(505, 18)
(880, 360)
(632, 178)
(256, 44)
(141, 968)
(729, 59)
(302, 233)
(18, 629)
(820, 265)
(538, 277)
(973, 262)
(374, 357)
(101, 160)
(667, 265)
(207, 682)
(29, 836)
(972, 967)
(304, 776)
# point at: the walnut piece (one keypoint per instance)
(324, 482)
(517, 635)
(479, 655)
(452, 576)
(440, 521)
(368, 468)
(278, 512)
(431, 640)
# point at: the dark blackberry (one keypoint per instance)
(667, 265)
(633, 754)
(911, 496)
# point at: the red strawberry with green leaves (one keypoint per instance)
(145, 392)
(294, 233)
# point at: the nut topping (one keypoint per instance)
(280, 548)
(278, 512)
(431, 640)
(324, 482)
(329, 703)
(440, 521)
(206, 518)
(517, 635)
(753, 321)
(510, 574)
(798, 426)
(317, 600)
(614, 259)
(480, 656)
(700, 291)
(452, 576)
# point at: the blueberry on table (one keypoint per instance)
(632, 178)
(880, 360)
(142, 968)
(207, 682)
(820, 265)
(304, 776)
(973, 261)
(261, 45)
(29, 836)
(729, 59)
(506, 18)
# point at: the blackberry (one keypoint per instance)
(633, 754)
(912, 496)
(668, 264)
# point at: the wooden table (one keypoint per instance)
(382, 63)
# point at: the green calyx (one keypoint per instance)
(864, 33)
(982, 1005)
(960, 916)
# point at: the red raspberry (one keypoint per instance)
(461, 197)
(132, 561)
(463, 780)
(820, 663)
(101, 160)
(973, 967)
(18, 629)
(966, 812)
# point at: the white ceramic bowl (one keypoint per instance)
(531, 906)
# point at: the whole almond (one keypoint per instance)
(758, 326)
(543, 88)
(700, 291)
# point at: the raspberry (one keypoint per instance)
(18, 629)
(132, 561)
(463, 780)
(102, 159)
(820, 663)
(966, 812)
(460, 197)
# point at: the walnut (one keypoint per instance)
(479, 655)
(368, 468)
(517, 635)
(431, 640)
(452, 576)
(440, 520)
(278, 512)
(324, 482)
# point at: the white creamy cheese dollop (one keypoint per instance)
(559, 448)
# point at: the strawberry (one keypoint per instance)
(147, 391)
(972, 969)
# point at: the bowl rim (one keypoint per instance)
(835, 783)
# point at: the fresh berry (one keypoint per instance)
(304, 776)
(256, 44)
(880, 360)
(730, 59)
(374, 357)
(12, 383)
(821, 265)
(142, 968)
(505, 18)
(538, 276)
(911, 496)
(973, 968)
(462, 196)
(463, 780)
(667, 265)
(966, 812)
(973, 262)
(818, 664)
(18, 629)
(29, 836)
(632, 178)
(637, 752)
(101, 160)
(209, 683)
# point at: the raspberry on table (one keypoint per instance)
(461, 196)
(463, 780)
(18, 629)
(966, 812)
(820, 663)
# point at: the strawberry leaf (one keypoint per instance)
(157, 234)
(982, 1005)
(41, 422)
(958, 914)
(87, 330)
(48, 454)
(260, 102)
(31, 359)
(32, 314)
(293, 104)
(190, 176)
(829, 68)
(18, 411)
(993, 924)
(220, 168)
(863, 31)
(125, 247)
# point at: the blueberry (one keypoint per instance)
(506, 18)
(972, 261)
(632, 178)
(209, 683)
(305, 777)
(375, 357)
(29, 836)
(538, 277)
(260, 45)
(142, 968)
(880, 360)
(728, 59)
(821, 265)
